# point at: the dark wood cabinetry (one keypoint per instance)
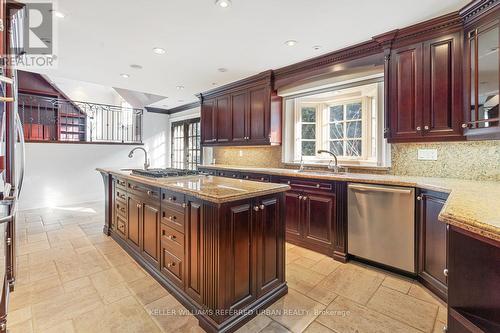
(246, 112)
(432, 235)
(425, 90)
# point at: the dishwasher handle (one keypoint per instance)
(365, 188)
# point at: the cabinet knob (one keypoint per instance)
(246, 177)
(288, 182)
(445, 272)
(464, 125)
(419, 198)
(300, 197)
(318, 185)
(419, 128)
(234, 176)
(426, 127)
(256, 208)
(149, 192)
(171, 237)
(445, 328)
(261, 179)
(262, 207)
(304, 198)
(138, 205)
(184, 205)
(171, 264)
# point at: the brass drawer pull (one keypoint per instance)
(171, 264)
(172, 237)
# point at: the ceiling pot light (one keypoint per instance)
(159, 50)
(180, 87)
(222, 70)
(316, 47)
(135, 66)
(291, 42)
(58, 14)
(125, 75)
(223, 3)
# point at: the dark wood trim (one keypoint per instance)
(177, 109)
(88, 143)
(264, 78)
(476, 9)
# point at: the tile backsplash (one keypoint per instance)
(477, 160)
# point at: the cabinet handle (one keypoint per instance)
(300, 197)
(171, 264)
(288, 182)
(426, 127)
(138, 205)
(163, 232)
(445, 272)
(318, 185)
(262, 207)
(261, 179)
(304, 198)
(445, 328)
(419, 128)
(256, 208)
(172, 218)
(246, 177)
(149, 192)
(464, 125)
(171, 237)
(234, 176)
(419, 198)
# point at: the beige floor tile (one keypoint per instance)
(19, 316)
(354, 282)
(346, 316)
(301, 252)
(147, 290)
(423, 294)
(80, 242)
(118, 258)
(115, 293)
(255, 325)
(316, 327)
(80, 265)
(51, 254)
(108, 247)
(24, 296)
(32, 247)
(301, 279)
(289, 246)
(123, 316)
(106, 279)
(82, 285)
(171, 316)
(295, 311)
(274, 327)
(439, 327)
(291, 257)
(305, 262)
(43, 271)
(442, 314)
(323, 291)
(325, 266)
(24, 327)
(397, 283)
(64, 327)
(407, 309)
(37, 237)
(130, 272)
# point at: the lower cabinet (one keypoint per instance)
(432, 242)
(134, 213)
(150, 228)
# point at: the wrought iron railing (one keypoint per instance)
(51, 119)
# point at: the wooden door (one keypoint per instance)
(193, 249)
(442, 84)
(239, 116)
(208, 122)
(258, 115)
(270, 244)
(317, 224)
(405, 86)
(223, 115)
(432, 244)
(293, 203)
(150, 228)
(134, 209)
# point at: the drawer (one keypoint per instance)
(121, 225)
(121, 194)
(173, 200)
(171, 265)
(143, 190)
(173, 218)
(121, 183)
(120, 208)
(229, 174)
(173, 240)
(256, 177)
(306, 184)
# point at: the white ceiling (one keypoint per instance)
(98, 40)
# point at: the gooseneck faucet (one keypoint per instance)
(335, 168)
(146, 159)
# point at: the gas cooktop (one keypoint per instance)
(161, 173)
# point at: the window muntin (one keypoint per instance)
(186, 144)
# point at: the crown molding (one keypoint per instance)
(476, 9)
(177, 109)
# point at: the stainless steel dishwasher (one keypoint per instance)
(381, 224)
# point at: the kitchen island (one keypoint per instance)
(217, 244)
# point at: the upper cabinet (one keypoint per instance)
(246, 112)
(425, 90)
(482, 76)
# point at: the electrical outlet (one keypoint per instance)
(427, 154)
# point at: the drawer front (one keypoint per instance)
(173, 200)
(120, 184)
(121, 208)
(173, 218)
(229, 174)
(121, 225)
(120, 194)
(171, 265)
(256, 177)
(298, 184)
(143, 190)
(173, 240)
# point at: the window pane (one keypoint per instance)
(337, 147)
(308, 131)
(354, 111)
(354, 129)
(337, 131)
(308, 148)
(353, 148)
(308, 115)
(336, 113)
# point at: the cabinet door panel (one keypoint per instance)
(224, 122)
(134, 221)
(194, 250)
(239, 108)
(293, 214)
(318, 216)
(258, 114)
(208, 128)
(442, 86)
(150, 230)
(405, 88)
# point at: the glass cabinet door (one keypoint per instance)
(484, 76)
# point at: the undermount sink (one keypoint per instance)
(326, 172)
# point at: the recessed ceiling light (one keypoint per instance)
(136, 66)
(317, 47)
(180, 87)
(159, 50)
(125, 75)
(58, 14)
(291, 42)
(223, 3)
(222, 69)
(214, 83)
(180, 100)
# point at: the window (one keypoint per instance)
(345, 120)
(186, 144)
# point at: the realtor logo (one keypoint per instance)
(37, 29)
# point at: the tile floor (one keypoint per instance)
(72, 278)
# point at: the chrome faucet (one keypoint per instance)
(301, 163)
(146, 159)
(335, 168)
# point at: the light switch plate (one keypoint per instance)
(427, 154)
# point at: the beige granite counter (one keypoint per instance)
(213, 189)
(471, 205)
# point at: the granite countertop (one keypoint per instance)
(210, 188)
(471, 205)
